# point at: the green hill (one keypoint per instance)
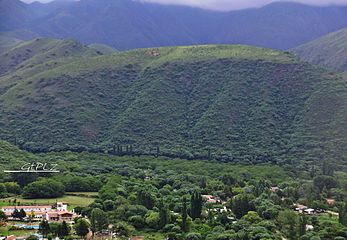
(329, 51)
(103, 48)
(235, 103)
(41, 50)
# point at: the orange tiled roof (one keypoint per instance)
(20, 207)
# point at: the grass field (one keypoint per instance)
(5, 232)
(73, 201)
(83, 194)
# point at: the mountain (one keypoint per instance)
(233, 102)
(329, 51)
(127, 24)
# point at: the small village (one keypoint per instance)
(29, 217)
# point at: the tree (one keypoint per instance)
(3, 217)
(3, 191)
(342, 214)
(242, 204)
(288, 221)
(99, 220)
(146, 198)
(163, 214)
(82, 228)
(12, 187)
(184, 215)
(108, 205)
(15, 213)
(22, 214)
(63, 230)
(210, 217)
(303, 223)
(321, 182)
(44, 228)
(196, 205)
(123, 229)
(193, 236)
(327, 168)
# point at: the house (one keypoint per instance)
(275, 189)
(60, 216)
(8, 210)
(61, 206)
(309, 211)
(209, 198)
(300, 208)
(330, 201)
(36, 210)
(309, 227)
(137, 238)
(57, 213)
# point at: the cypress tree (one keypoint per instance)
(303, 222)
(63, 230)
(131, 149)
(184, 215)
(342, 214)
(44, 228)
(196, 205)
(158, 151)
(22, 214)
(163, 214)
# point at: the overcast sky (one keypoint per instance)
(230, 4)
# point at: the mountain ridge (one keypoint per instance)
(127, 24)
(329, 51)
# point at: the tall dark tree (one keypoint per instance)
(99, 220)
(303, 223)
(184, 226)
(15, 213)
(63, 230)
(327, 168)
(196, 205)
(22, 214)
(242, 204)
(163, 214)
(2, 216)
(342, 214)
(44, 228)
(82, 228)
(146, 198)
(210, 217)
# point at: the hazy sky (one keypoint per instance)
(230, 4)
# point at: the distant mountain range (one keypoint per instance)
(329, 51)
(236, 103)
(127, 24)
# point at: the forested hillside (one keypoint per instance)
(234, 103)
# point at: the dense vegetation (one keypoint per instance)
(161, 197)
(127, 24)
(329, 51)
(232, 103)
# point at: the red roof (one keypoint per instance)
(23, 207)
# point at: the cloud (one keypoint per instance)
(230, 4)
